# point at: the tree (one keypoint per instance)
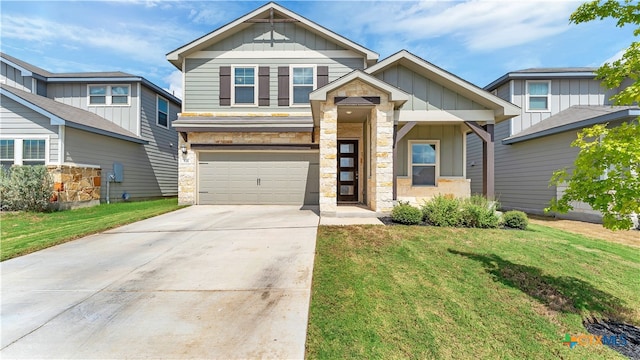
(606, 172)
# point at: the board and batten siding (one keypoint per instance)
(21, 122)
(451, 148)
(13, 77)
(426, 94)
(82, 147)
(162, 150)
(75, 94)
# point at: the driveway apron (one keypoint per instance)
(201, 282)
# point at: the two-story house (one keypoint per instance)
(280, 110)
(104, 136)
(556, 103)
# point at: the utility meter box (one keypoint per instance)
(118, 172)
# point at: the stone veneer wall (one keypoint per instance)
(416, 195)
(75, 186)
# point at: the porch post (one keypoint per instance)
(398, 135)
(486, 134)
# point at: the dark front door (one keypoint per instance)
(347, 170)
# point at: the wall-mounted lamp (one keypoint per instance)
(183, 148)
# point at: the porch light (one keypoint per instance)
(183, 148)
(349, 112)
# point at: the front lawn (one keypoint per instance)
(396, 292)
(22, 233)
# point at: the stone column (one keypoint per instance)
(186, 175)
(383, 123)
(328, 158)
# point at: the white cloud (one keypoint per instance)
(615, 57)
(175, 83)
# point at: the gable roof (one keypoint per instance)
(544, 73)
(71, 116)
(573, 118)
(263, 12)
(503, 109)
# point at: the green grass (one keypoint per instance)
(398, 292)
(22, 232)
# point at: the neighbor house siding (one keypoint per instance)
(162, 150)
(13, 77)
(425, 94)
(87, 148)
(451, 148)
(19, 121)
(75, 94)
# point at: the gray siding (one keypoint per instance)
(451, 148)
(425, 94)
(19, 121)
(504, 92)
(162, 150)
(83, 147)
(13, 77)
(75, 94)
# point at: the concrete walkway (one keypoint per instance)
(202, 282)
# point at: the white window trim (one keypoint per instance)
(158, 97)
(17, 147)
(255, 85)
(108, 96)
(527, 96)
(410, 162)
(314, 86)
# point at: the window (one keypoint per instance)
(163, 112)
(7, 153)
(244, 86)
(538, 95)
(423, 162)
(109, 94)
(302, 83)
(33, 152)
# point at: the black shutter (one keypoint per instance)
(283, 86)
(263, 86)
(225, 85)
(322, 76)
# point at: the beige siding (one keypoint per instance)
(425, 94)
(162, 150)
(21, 122)
(13, 77)
(451, 148)
(82, 147)
(75, 94)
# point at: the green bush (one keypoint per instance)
(442, 211)
(515, 219)
(478, 212)
(404, 213)
(26, 188)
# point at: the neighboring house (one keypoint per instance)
(80, 124)
(556, 103)
(279, 110)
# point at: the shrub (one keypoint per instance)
(26, 188)
(478, 212)
(515, 219)
(404, 213)
(442, 211)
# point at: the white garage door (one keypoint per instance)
(245, 178)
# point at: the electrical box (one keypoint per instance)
(118, 172)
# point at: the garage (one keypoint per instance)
(250, 178)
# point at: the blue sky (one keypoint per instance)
(476, 40)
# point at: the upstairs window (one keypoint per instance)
(33, 152)
(244, 86)
(302, 83)
(538, 95)
(109, 94)
(7, 157)
(163, 112)
(423, 162)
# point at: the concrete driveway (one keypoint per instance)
(202, 282)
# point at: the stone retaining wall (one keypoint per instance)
(75, 186)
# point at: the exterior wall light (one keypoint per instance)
(183, 148)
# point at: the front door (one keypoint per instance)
(348, 170)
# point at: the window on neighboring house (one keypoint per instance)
(109, 94)
(302, 83)
(7, 157)
(423, 162)
(163, 112)
(33, 152)
(538, 95)
(244, 85)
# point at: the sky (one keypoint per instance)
(478, 41)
